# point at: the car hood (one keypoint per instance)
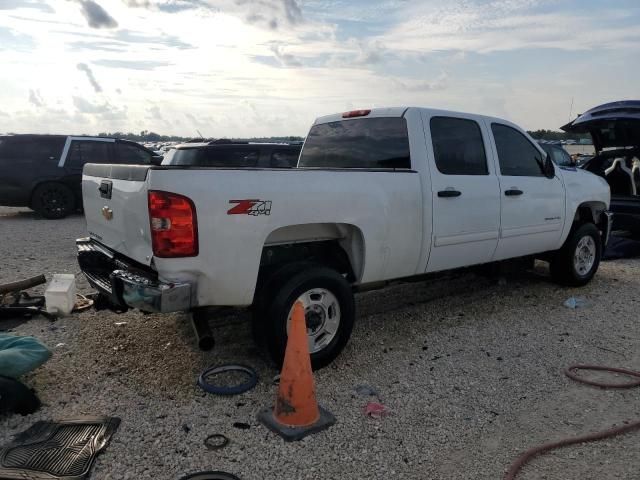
(615, 124)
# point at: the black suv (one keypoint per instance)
(227, 154)
(44, 172)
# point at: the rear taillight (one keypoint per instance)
(174, 226)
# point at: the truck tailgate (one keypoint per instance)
(116, 208)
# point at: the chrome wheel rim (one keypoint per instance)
(322, 316)
(585, 255)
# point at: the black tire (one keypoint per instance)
(563, 267)
(53, 200)
(275, 302)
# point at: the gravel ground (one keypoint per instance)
(470, 370)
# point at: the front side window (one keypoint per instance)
(131, 154)
(516, 154)
(458, 147)
(374, 143)
(87, 151)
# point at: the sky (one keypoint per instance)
(251, 68)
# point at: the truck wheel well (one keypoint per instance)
(328, 253)
(588, 212)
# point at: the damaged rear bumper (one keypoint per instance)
(129, 285)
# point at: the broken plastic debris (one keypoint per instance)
(366, 391)
(375, 410)
(60, 345)
(575, 302)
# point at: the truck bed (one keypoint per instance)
(236, 219)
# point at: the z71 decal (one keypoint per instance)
(250, 207)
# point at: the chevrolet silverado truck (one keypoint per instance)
(378, 196)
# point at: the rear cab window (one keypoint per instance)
(366, 143)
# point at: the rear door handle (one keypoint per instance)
(449, 193)
(513, 193)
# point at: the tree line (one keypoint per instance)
(146, 136)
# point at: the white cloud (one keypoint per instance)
(262, 67)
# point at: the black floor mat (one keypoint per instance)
(57, 450)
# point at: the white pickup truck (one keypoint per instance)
(378, 195)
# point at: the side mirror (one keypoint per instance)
(157, 159)
(548, 168)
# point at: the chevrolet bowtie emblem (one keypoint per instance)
(107, 213)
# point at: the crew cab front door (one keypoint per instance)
(465, 192)
(532, 205)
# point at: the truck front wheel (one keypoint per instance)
(577, 261)
(329, 310)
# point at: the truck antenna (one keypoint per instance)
(571, 109)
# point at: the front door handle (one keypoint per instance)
(513, 193)
(449, 193)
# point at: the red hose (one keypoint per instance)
(528, 455)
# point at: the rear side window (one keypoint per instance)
(7, 148)
(131, 154)
(458, 146)
(36, 149)
(284, 158)
(516, 154)
(216, 157)
(380, 143)
(87, 151)
(5, 151)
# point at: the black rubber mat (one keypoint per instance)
(57, 450)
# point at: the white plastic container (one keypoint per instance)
(60, 295)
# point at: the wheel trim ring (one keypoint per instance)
(332, 313)
(584, 256)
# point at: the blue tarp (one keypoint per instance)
(20, 355)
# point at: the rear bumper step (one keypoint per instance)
(127, 285)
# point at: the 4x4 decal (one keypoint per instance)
(250, 207)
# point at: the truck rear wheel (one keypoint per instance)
(329, 309)
(53, 200)
(577, 261)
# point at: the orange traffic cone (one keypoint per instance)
(296, 413)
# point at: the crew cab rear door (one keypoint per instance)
(532, 205)
(465, 191)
